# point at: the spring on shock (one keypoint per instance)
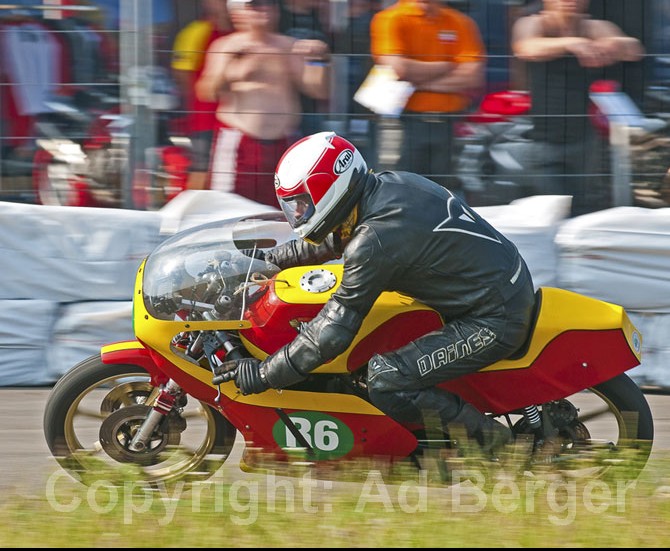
(532, 416)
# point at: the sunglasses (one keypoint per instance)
(253, 4)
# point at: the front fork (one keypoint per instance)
(163, 405)
(208, 341)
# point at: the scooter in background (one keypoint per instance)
(650, 153)
(495, 147)
(83, 155)
(485, 172)
(81, 151)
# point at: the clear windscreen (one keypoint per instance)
(209, 272)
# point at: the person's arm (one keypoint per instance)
(212, 81)
(415, 71)
(328, 334)
(529, 44)
(183, 80)
(605, 45)
(300, 253)
(615, 44)
(334, 328)
(311, 67)
(464, 78)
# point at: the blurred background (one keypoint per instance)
(91, 113)
(94, 115)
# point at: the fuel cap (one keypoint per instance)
(318, 281)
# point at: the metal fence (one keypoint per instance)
(140, 33)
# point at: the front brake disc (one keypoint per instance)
(119, 428)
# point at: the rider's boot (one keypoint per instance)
(491, 435)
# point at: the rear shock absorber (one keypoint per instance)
(534, 420)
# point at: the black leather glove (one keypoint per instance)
(254, 253)
(245, 372)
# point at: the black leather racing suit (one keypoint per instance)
(414, 237)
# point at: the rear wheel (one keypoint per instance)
(95, 409)
(606, 428)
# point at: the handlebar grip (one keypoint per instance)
(220, 379)
(232, 352)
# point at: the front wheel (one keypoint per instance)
(94, 410)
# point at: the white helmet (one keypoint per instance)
(318, 181)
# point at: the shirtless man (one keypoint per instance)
(564, 27)
(565, 49)
(257, 76)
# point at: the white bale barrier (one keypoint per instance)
(192, 208)
(75, 267)
(81, 329)
(531, 224)
(619, 255)
(654, 371)
(67, 254)
(25, 335)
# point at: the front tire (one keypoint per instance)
(95, 408)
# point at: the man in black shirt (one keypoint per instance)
(565, 51)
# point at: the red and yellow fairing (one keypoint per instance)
(255, 415)
(394, 321)
(578, 342)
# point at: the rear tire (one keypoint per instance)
(605, 429)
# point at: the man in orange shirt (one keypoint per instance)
(440, 51)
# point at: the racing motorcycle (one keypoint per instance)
(203, 296)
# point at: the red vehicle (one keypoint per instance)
(494, 146)
(83, 157)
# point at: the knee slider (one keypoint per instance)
(381, 372)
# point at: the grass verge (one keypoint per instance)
(369, 504)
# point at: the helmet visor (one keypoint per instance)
(297, 209)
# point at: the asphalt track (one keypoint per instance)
(26, 462)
